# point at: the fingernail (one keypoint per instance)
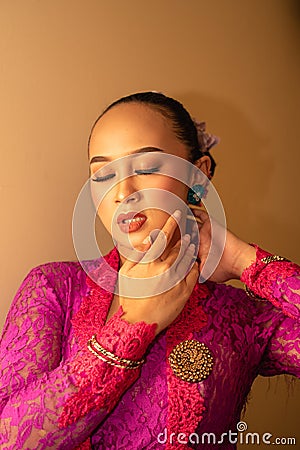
(177, 214)
(186, 238)
(192, 247)
(147, 240)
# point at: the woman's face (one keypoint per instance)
(144, 134)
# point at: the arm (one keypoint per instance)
(37, 388)
(279, 283)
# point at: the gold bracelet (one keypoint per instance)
(108, 357)
(252, 295)
(271, 258)
(266, 260)
(112, 363)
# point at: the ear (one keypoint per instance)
(204, 164)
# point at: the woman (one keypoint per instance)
(87, 364)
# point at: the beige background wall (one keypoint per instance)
(233, 63)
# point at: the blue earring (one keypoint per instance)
(195, 194)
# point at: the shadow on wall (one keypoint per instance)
(295, 9)
(240, 154)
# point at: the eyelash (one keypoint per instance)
(105, 178)
(137, 172)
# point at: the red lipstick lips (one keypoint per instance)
(131, 221)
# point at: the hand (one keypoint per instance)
(160, 306)
(237, 254)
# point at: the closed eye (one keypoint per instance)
(137, 171)
(104, 178)
(146, 171)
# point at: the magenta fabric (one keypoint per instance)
(55, 395)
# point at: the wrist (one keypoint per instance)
(245, 258)
(125, 339)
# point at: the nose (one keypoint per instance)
(126, 192)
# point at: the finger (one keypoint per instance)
(195, 233)
(194, 218)
(205, 238)
(186, 261)
(192, 277)
(156, 249)
(171, 225)
(203, 251)
(178, 250)
(135, 256)
(163, 238)
(200, 214)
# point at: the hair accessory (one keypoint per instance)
(108, 357)
(195, 193)
(206, 140)
(191, 361)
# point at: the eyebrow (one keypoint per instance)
(100, 158)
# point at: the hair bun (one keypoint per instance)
(206, 140)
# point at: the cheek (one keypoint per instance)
(166, 183)
(106, 210)
(176, 187)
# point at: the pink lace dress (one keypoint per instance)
(55, 394)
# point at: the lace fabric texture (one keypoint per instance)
(55, 395)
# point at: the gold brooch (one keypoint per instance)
(191, 361)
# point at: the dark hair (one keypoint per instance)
(173, 110)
